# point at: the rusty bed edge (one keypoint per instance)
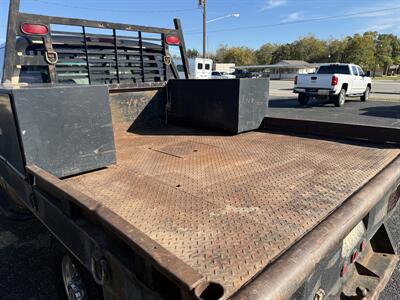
(282, 278)
(293, 266)
(168, 263)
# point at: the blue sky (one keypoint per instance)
(260, 21)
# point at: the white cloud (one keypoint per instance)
(360, 14)
(379, 27)
(295, 16)
(386, 20)
(381, 9)
(271, 4)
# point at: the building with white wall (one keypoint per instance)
(224, 67)
(284, 69)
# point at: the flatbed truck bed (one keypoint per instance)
(206, 209)
(160, 188)
(229, 205)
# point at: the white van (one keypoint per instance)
(200, 68)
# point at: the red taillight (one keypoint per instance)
(295, 80)
(345, 270)
(335, 80)
(172, 40)
(37, 29)
(354, 256)
(363, 245)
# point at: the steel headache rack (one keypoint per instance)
(68, 50)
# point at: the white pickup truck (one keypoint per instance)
(336, 81)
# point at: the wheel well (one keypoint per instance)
(345, 86)
(369, 85)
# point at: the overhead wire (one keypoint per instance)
(297, 21)
(116, 10)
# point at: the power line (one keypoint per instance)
(115, 10)
(298, 21)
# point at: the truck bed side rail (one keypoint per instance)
(81, 51)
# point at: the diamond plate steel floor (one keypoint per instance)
(229, 205)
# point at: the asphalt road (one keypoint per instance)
(27, 269)
(386, 86)
(392, 290)
(384, 90)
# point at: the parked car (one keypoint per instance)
(336, 81)
(222, 75)
(239, 73)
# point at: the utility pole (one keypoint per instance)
(203, 3)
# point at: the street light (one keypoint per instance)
(236, 15)
(203, 3)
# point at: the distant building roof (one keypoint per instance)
(292, 63)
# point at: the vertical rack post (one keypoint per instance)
(182, 48)
(141, 55)
(11, 40)
(116, 54)
(86, 53)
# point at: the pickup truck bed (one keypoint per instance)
(226, 206)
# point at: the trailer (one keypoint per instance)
(200, 68)
(156, 187)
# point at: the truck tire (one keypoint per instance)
(365, 96)
(73, 280)
(340, 99)
(303, 98)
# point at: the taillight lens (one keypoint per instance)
(172, 40)
(37, 29)
(335, 80)
(363, 245)
(295, 80)
(354, 256)
(345, 270)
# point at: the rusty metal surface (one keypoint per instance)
(372, 273)
(228, 205)
(285, 276)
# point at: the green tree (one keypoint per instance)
(361, 50)
(265, 53)
(192, 53)
(336, 50)
(310, 49)
(220, 53)
(367, 50)
(281, 53)
(396, 50)
(238, 55)
(384, 51)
